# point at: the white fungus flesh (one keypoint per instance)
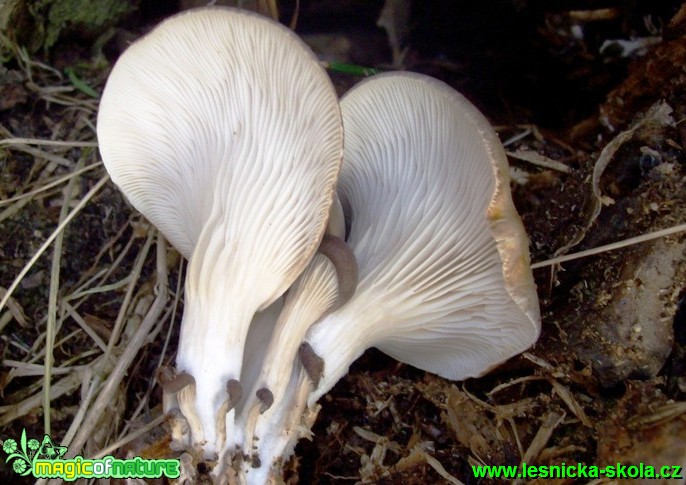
(223, 130)
(267, 430)
(271, 421)
(444, 279)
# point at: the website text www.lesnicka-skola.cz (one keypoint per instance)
(578, 470)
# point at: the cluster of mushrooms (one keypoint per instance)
(222, 128)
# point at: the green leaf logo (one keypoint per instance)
(19, 466)
(25, 452)
(9, 446)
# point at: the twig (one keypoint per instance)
(539, 160)
(610, 247)
(52, 303)
(551, 421)
(50, 143)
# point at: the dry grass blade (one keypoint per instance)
(515, 138)
(52, 304)
(610, 247)
(376, 439)
(571, 402)
(49, 143)
(71, 311)
(129, 438)
(272, 9)
(539, 160)
(29, 369)
(12, 210)
(133, 278)
(50, 185)
(538, 361)
(15, 309)
(513, 382)
(294, 19)
(42, 154)
(129, 353)
(551, 421)
(660, 415)
(64, 386)
(419, 455)
(440, 469)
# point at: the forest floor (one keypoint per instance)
(588, 103)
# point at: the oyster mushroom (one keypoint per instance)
(223, 130)
(444, 277)
(444, 281)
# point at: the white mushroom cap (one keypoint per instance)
(223, 130)
(444, 277)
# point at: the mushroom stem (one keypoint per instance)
(289, 421)
(172, 382)
(313, 294)
(326, 283)
(336, 223)
(325, 339)
(211, 343)
(236, 164)
(186, 399)
(172, 385)
(178, 429)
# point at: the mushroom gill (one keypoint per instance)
(444, 282)
(444, 277)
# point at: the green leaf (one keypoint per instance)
(23, 441)
(14, 455)
(351, 69)
(79, 84)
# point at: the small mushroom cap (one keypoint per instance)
(444, 277)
